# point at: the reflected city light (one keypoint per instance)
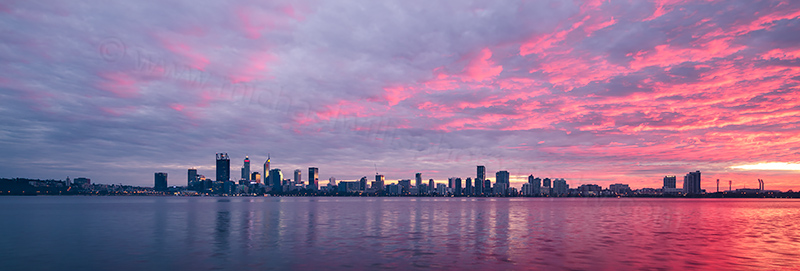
(769, 166)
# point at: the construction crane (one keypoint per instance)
(376, 169)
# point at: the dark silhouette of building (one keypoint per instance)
(418, 183)
(669, 182)
(313, 179)
(378, 185)
(691, 183)
(362, 184)
(275, 180)
(457, 187)
(160, 181)
(503, 177)
(266, 171)
(431, 186)
(246, 168)
(191, 180)
(223, 168)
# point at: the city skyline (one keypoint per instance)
(595, 92)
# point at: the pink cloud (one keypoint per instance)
(118, 83)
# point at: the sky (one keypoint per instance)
(596, 92)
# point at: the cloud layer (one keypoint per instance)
(594, 92)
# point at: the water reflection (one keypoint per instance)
(399, 233)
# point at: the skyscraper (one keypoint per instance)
(536, 185)
(223, 167)
(313, 179)
(691, 183)
(246, 168)
(669, 182)
(297, 176)
(160, 181)
(457, 187)
(266, 171)
(502, 177)
(362, 184)
(431, 187)
(481, 173)
(469, 191)
(560, 187)
(379, 183)
(275, 180)
(418, 182)
(192, 178)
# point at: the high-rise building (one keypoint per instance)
(275, 180)
(481, 173)
(246, 168)
(691, 183)
(560, 187)
(536, 185)
(418, 183)
(266, 171)
(255, 177)
(160, 181)
(191, 178)
(502, 177)
(669, 182)
(405, 186)
(379, 183)
(223, 167)
(457, 187)
(297, 176)
(468, 190)
(487, 187)
(362, 183)
(431, 186)
(313, 178)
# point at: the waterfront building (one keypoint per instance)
(223, 167)
(669, 182)
(536, 185)
(191, 180)
(418, 182)
(378, 185)
(691, 183)
(246, 168)
(431, 186)
(620, 189)
(487, 187)
(405, 186)
(362, 184)
(468, 189)
(255, 177)
(479, 179)
(297, 176)
(160, 181)
(560, 187)
(313, 178)
(275, 180)
(457, 187)
(266, 171)
(503, 177)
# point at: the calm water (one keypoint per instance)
(170, 233)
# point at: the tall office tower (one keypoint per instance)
(547, 189)
(379, 183)
(418, 182)
(691, 183)
(223, 168)
(560, 187)
(405, 186)
(192, 179)
(431, 187)
(502, 177)
(313, 179)
(275, 180)
(362, 184)
(457, 187)
(451, 182)
(246, 168)
(297, 176)
(469, 189)
(160, 181)
(669, 182)
(255, 177)
(266, 171)
(536, 185)
(487, 187)
(481, 173)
